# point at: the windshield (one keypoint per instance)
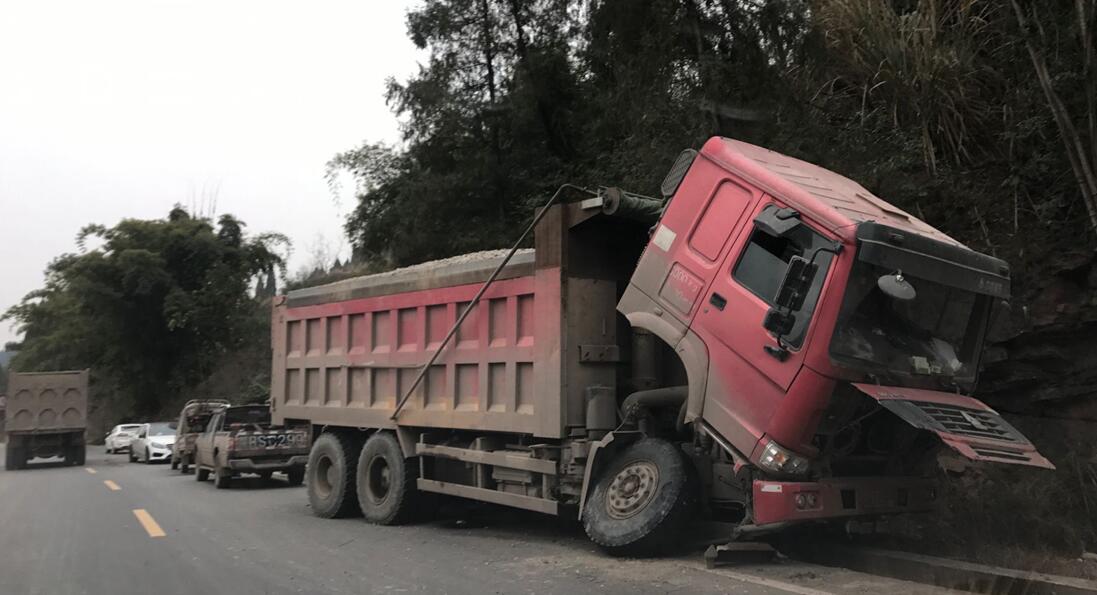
(129, 429)
(162, 429)
(935, 334)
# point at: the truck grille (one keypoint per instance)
(970, 422)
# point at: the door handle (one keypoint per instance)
(718, 300)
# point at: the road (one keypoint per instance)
(114, 527)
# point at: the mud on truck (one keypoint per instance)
(769, 342)
(241, 440)
(47, 417)
(193, 419)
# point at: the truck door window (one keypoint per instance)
(762, 266)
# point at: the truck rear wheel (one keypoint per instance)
(331, 471)
(14, 459)
(184, 464)
(222, 478)
(80, 454)
(174, 463)
(201, 474)
(386, 482)
(642, 500)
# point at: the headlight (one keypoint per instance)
(778, 459)
(158, 445)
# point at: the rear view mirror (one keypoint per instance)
(777, 222)
(797, 282)
(779, 323)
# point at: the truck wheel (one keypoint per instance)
(81, 454)
(642, 500)
(386, 482)
(295, 477)
(265, 475)
(174, 463)
(222, 478)
(331, 472)
(184, 465)
(201, 474)
(13, 458)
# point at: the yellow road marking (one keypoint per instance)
(110, 484)
(90, 470)
(148, 523)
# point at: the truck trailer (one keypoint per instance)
(47, 417)
(769, 342)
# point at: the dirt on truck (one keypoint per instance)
(46, 417)
(768, 343)
(193, 419)
(241, 440)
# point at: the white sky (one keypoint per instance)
(113, 109)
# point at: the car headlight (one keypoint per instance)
(158, 445)
(778, 459)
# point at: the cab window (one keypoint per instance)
(763, 263)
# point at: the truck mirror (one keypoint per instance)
(779, 322)
(777, 222)
(794, 288)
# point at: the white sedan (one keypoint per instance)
(153, 442)
(120, 437)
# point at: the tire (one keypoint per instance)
(184, 464)
(174, 463)
(295, 477)
(201, 474)
(331, 470)
(222, 478)
(12, 458)
(385, 481)
(642, 500)
(265, 475)
(109, 451)
(148, 459)
(81, 454)
(133, 459)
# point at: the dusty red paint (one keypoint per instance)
(776, 501)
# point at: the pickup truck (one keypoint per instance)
(241, 440)
(193, 419)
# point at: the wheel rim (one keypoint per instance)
(378, 479)
(632, 489)
(325, 477)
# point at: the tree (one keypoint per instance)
(153, 311)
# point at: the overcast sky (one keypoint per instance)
(113, 109)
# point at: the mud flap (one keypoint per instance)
(966, 425)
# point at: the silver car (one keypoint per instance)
(153, 442)
(119, 438)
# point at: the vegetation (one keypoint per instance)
(161, 310)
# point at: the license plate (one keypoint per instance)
(274, 440)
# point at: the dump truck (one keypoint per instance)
(768, 343)
(193, 419)
(47, 417)
(241, 440)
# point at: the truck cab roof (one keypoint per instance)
(833, 200)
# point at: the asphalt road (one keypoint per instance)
(82, 530)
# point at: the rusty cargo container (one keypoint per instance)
(47, 417)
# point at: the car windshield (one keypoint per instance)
(163, 428)
(934, 334)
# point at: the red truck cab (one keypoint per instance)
(822, 330)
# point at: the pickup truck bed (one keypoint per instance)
(241, 440)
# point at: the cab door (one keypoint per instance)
(203, 445)
(747, 362)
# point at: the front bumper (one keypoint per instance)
(258, 465)
(791, 501)
(159, 454)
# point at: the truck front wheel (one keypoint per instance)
(331, 471)
(642, 500)
(386, 482)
